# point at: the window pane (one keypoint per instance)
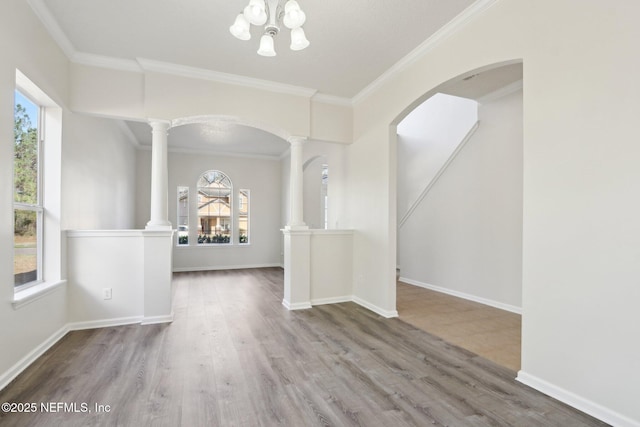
(243, 216)
(25, 151)
(183, 215)
(25, 242)
(325, 197)
(214, 208)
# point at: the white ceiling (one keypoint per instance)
(353, 43)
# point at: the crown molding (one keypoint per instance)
(332, 99)
(216, 76)
(450, 28)
(141, 65)
(110, 62)
(51, 24)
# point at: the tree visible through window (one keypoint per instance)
(214, 208)
(27, 204)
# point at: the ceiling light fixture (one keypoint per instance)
(258, 12)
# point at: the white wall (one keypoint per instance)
(98, 174)
(465, 237)
(25, 45)
(426, 139)
(580, 187)
(335, 156)
(580, 177)
(312, 195)
(100, 260)
(331, 266)
(261, 176)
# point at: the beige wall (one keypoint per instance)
(581, 180)
(24, 45)
(147, 94)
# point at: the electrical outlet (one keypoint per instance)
(106, 293)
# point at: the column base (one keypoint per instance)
(296, 306)
(158, 226)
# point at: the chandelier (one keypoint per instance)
(270, 13)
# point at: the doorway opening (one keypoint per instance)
(459, 210)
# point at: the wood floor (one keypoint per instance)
(487, 331)
(234, 356)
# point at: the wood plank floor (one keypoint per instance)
(487, 331)
(234, 356)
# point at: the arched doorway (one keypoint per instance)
(460, 226)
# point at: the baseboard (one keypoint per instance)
(105, 323)
(31, 357)
(588, 407)
(474, 298)
(333, 300)
(152, 320)
(382, 312)
(225, 267)
(296, 306)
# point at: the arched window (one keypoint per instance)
(215, 216)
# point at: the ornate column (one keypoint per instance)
(296, 186)
(159, 176)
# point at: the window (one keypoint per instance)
(218, 219)
(243, 217)
(27, 201)
(325, 196)
(183, 215)
(214, 208)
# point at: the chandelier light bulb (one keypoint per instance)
(240, 28)
(266, 46)
(298, 39)
(256, 12)
(294, 17)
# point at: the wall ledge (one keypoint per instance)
(36, 292)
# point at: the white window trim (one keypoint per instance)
(50, 172)
(248, 192)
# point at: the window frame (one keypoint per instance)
(194, 231)
(186, 202)
(232, 216)
(37, 207)
(247, 193)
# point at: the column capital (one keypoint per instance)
(159, 124)
(297, 140)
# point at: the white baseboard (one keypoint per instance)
(296, 305)
(37, 352)
(575, 401)
(382, 312)
(333, 300)
(31, 357)
(474, 298)
(225, 267)
(105, 323)
(152, 320)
